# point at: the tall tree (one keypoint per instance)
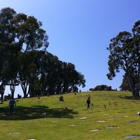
(27, 70)
(125, 54)
(71, 78)
(19, 33)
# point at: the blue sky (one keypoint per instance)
(80, 31)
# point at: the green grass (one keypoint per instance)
(63, 119)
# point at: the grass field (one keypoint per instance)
(113, 116)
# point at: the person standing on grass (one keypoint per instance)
(88, 102)
(12, 103)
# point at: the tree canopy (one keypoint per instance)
(101, 88)
(24, 58)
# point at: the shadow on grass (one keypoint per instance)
(128, 97)
(35, 112)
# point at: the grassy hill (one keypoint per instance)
(112, 116)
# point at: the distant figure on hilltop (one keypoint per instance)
(12, 103)
(88, 102)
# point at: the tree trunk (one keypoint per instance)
(12, 88)
(132, 87)
(24, 89)
(30, 91)
(58, 89)
(2, 90)
(137, 89)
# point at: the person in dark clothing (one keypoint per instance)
(88, 102)
(12, 103)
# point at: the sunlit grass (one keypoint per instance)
(112, 117)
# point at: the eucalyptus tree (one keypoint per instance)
(28, 71)
(7, 47)
(52, 73)
(46, 72)
(67, 70)
(38, 85)
(57, 76)
(59, 80)
(80, 80)
(19, 33)
(71, 78)
(125, 54)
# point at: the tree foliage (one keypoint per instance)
(101, 88)
(18, 33)
(24, 58)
